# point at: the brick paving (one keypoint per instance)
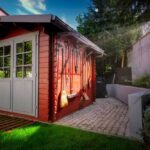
(106, 115)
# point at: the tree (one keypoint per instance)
(134, 11)
(114, 26)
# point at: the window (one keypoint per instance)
(5, 61)
(24, 59)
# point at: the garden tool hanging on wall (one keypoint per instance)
(63, 97)
(85, 72)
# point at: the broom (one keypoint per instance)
(85, 73)
(63, 97)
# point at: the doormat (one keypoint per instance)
(8, 123)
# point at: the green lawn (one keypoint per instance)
(54, 137)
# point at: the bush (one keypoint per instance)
(1, 74)
(143, 81)
(146, 126)
(147, 119)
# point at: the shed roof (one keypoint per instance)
(51, 19)
(3, 12)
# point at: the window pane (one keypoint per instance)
(19, 72)
(6, 72)
(27, 58)
(28, 72)
(1, 61)
(1, 51)
(19, 59)
(7, 61)
(7, 50)
(19, 47)
(1, 73)
(27, 46)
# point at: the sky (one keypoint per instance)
(67, 10)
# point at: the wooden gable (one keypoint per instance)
(3, 13)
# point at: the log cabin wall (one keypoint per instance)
(43, 70)
(78, 76)
(44, 77)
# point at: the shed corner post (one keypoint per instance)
(54, 76)
(43, 71)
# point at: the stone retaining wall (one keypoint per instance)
(132, 97)
(121, 92)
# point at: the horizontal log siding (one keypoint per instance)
(94, 78)
(75, 81)
(44, 76)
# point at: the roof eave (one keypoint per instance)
(26, 19)
(83, 40)
(7, 14)
(55, 21)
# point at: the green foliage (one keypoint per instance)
(107, 15)
(108, 68)
(143, 81)
(54, 137)
(1, 74)
(147, 118)
(132, 11)
(146, 127)
(113, 25)
(117, 40)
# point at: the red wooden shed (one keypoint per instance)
(47, 69)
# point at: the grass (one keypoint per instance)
(54, 137)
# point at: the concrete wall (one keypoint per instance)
(135, 115)
(138, 57)
(131, 96)
(121, 92)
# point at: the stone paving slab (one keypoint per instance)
(106, 115)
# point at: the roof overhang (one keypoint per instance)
(3, 12)
(26, 19)
(66, 29)
(83, 40)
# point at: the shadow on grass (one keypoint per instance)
(54, 137)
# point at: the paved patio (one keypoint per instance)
(106, 115)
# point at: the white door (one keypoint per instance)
(19, 92)
(5, 75)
